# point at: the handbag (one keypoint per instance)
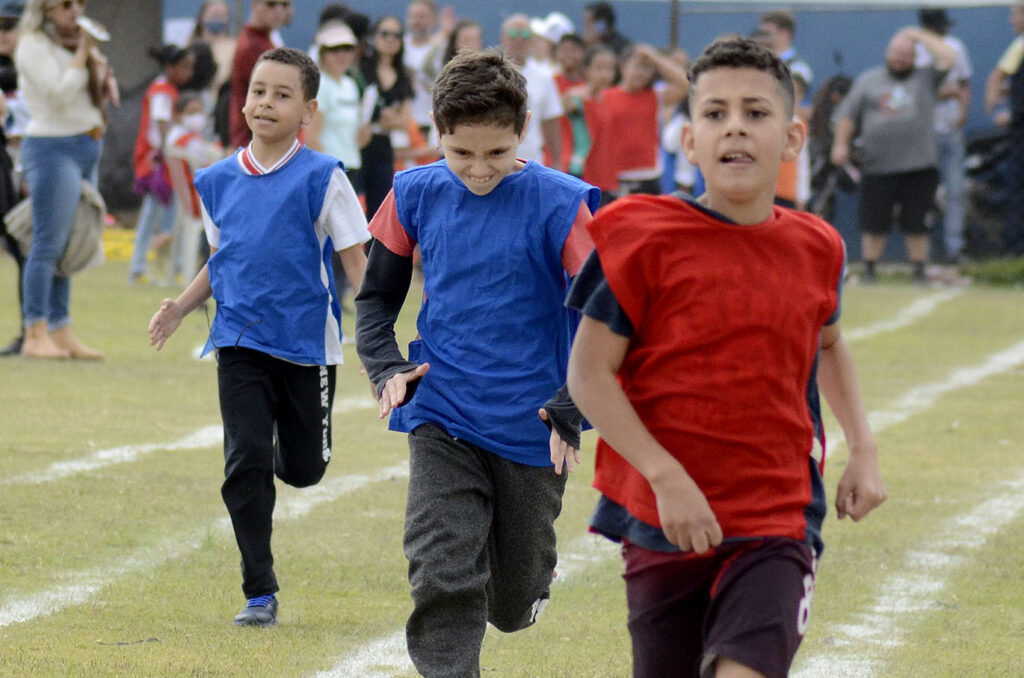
(85, 244)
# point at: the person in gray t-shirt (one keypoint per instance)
(891, 111)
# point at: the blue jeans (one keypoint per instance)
(54, 168)
(153, 212)
(951, 175)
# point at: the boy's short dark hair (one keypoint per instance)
(480, 88)
(743, 53)
(782, 20)
(309, 73)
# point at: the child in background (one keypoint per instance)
(151, 179)
(570, 53)
(624, 158)
(582, 103)
(706, 460)
(188, 148)
(273, 212)
(337, 128)
(500, 239)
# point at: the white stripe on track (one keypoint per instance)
(212, 435)
(204, 437)
(904, 318)
(902, 601)
(386, 656)
(208, 436)
(87, 583)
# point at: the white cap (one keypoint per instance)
(552, 27)
(336, 35)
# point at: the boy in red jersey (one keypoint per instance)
(707, 328)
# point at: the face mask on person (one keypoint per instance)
(216, 27)
(194, 122)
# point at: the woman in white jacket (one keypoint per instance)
(65, 83)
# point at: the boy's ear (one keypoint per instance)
(796, 135)
(307, 115)
(688, 144)
(526, 126)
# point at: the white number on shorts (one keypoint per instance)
(803, 615)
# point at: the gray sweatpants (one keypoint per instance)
(480, 540)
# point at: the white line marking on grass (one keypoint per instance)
(905, 597)
(904, 318)
(208, 436)
(87, 583)
(385, 656)
(921, 398)
(380, 658)
(204, 437)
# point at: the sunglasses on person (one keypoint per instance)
(335, 49)
(274, 4)
(390, 34)
(7, 25)
(519, 33)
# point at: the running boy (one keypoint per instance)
(500, 238)
(708, 326)
(277, 331)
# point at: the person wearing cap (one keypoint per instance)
(13, 109)
(546, 34)
(543, 128)
(337, 128)
(950, 116)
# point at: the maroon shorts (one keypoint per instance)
(748, 601)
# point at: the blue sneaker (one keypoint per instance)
(259, 611)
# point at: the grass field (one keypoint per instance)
(116, 557)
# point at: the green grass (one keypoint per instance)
(152, 534)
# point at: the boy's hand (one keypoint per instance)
(164, 322)
(393, 393)
(860, 488)
(686, 517)
(562, 453)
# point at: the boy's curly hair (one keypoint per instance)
(480, 88)
(309, 73)
(736, 52)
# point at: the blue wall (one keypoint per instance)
(859, 36)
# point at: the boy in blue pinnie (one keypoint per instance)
(274, 213)
(500, 239)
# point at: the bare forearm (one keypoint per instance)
(993, 89)
(944, 55)
(353, 261)
(837, 380)
(551, 131)
(601, 399)
(197, 293)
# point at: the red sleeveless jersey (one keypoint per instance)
(726, 329)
